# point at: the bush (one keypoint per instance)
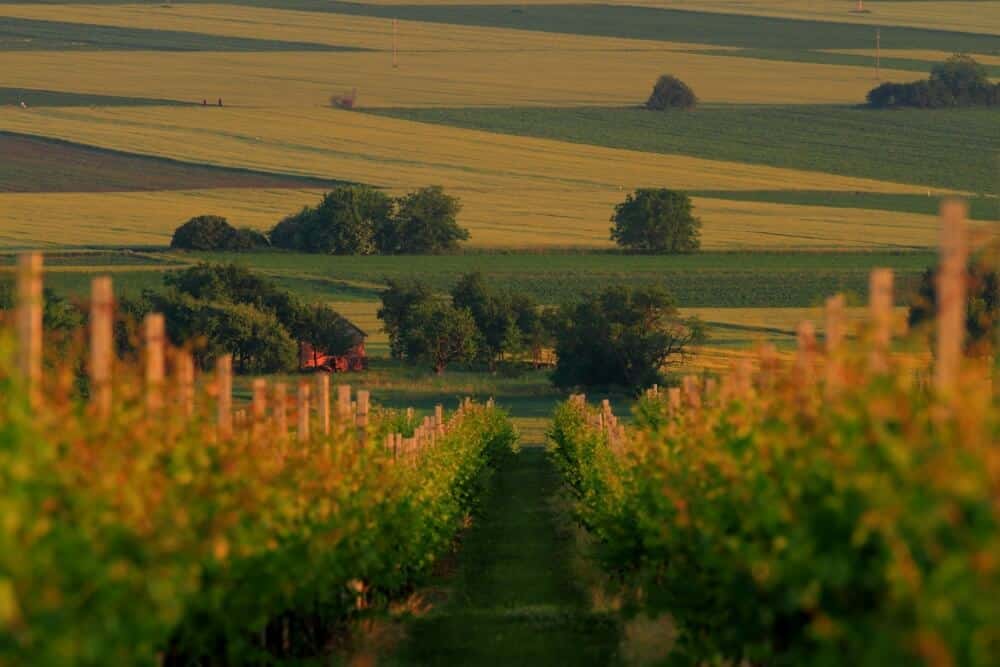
(960, 81)
(360, 220)
(656, 221)
(669, 92)
(213, 232)
(620, 337)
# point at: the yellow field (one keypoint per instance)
(543, 193)
(435, 79)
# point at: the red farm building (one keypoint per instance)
(356, 358)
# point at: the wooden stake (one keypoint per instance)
(880, 307)
(805, 358)
(835, 326)
(362, 416)
(343, 407)
(303, 412)
(258, 408)
(101, 345)
(224, 406)
(951, 294)
(153, 331)
(29, 325)
(280, 410)
(323, 401)
(184, 362)
(674, 400)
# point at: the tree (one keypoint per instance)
(213, 232)
(669, 92)
(982, 318)
(344, 223)
(533, 323)
(620, 337)
(326, 331)
(439, 334)
(425, 223)
(399, 299)
(960, 81)
(656, 221)
(493, 313)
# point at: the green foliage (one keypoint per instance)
(958, 82)
(361, 220)
(426, 223)
(346, 222)
(669, 92)
(146, 537)
(399, 299)
(439, 334)
(982, 310)
(493, 313)
(656, 221)
(785, 528)
(213, 232)
(620, 337)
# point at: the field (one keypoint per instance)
(778, 158)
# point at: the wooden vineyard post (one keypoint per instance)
(674, 400)
(280, 410)
(323, 401)
(29, 326)
(184, 362)
(153, 333)
(362, 416)
(302, 432)
(258, 408)
(951, 295)
(101, 345)
(343, 408)
(805, 358)
(224, 403)
(880, 306)
(690, 390)
(439, 419)
(834, 372)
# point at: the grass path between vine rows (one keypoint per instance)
(513, 598)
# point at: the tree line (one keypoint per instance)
(960, 81)
(348, 220)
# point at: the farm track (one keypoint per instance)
(514, 600)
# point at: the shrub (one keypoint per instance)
(425, 223)
(669, 92)
(656, 221)
(960, 81)
(213, 232)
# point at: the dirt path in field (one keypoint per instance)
(514, 600)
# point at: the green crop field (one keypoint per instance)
(949, 149)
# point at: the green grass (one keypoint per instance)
(40, 164)
(950, 149)
(18, 34)
(700, 280)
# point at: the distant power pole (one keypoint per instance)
(861, 6)
(878, 54)
(395, 50)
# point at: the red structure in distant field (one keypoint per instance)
(356, 359)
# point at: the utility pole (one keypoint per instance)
(395, 50)
(878, 54)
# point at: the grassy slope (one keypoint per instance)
(56, 98)
(952, 149)
(18, 34)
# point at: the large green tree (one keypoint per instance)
(346, 222)
(620, 337)
(982, 308)
(213, 232)
(439, 334)
(656, 221)
(493, 313)
(399, 299)
(426, 222)
(669, 92)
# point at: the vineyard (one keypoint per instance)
(146, 519)
(835, 506)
